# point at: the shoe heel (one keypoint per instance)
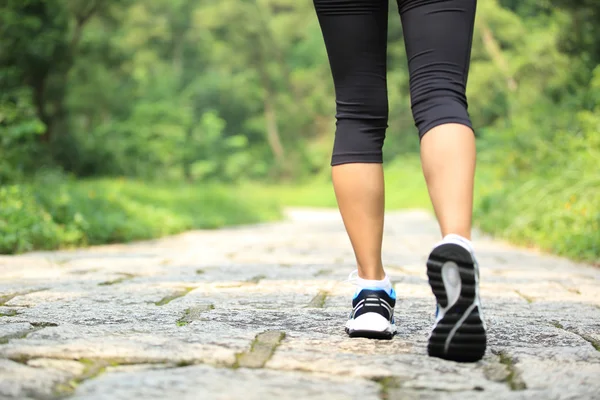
(460, 334)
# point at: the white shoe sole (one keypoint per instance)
(370, 325)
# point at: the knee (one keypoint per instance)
(362, 120)
(439, 101)
(369, 105)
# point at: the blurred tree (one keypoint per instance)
(223, 89)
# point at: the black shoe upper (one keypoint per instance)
(373, 301)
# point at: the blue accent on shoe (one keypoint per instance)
(391, 293)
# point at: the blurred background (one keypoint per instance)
(132, 119)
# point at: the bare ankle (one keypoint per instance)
(460, 232)
(374, 273)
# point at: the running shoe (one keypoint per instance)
(459, 330)
(372, 314)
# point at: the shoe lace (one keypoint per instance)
(353, 278)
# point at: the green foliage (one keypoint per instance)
(19, 128)
(24, 225)
(558, 215)
(230, 92)
(405, 188)
(550, 192)
(54, 212)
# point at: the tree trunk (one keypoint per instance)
(273, 137)
(495, 52)
(275, 50)
(272, 130)
(187, 156)
(58, 113)
(39, 100)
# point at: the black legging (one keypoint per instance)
(437, 35)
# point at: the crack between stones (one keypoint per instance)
(261, 350)
(84, 271)
(93, 368)
(36, 326)
(170, 298)
(528, 299)
(193, 314)
(386, 383)
(22, 335)
(125, 277)
(9, 313)
(513, 379)
(595, 343)
(319, 300)
(8, 297)
(256, 279)
(569, 288)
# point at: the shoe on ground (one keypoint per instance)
(372, 314)
(459, 330)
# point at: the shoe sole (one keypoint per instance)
(370, 334)
(371, 326)
(460, 334)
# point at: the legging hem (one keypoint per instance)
(339, 159)
(442, 121)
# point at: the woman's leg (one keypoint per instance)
(438, 36)
(355, 35)
(448, 161)
(359, 191)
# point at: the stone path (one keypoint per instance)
(258, 312)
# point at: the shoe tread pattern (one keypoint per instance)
(469, 341)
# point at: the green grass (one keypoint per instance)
(558, 212)
(404, 185)
(56, 213)
(547, 190)
(405, 188)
